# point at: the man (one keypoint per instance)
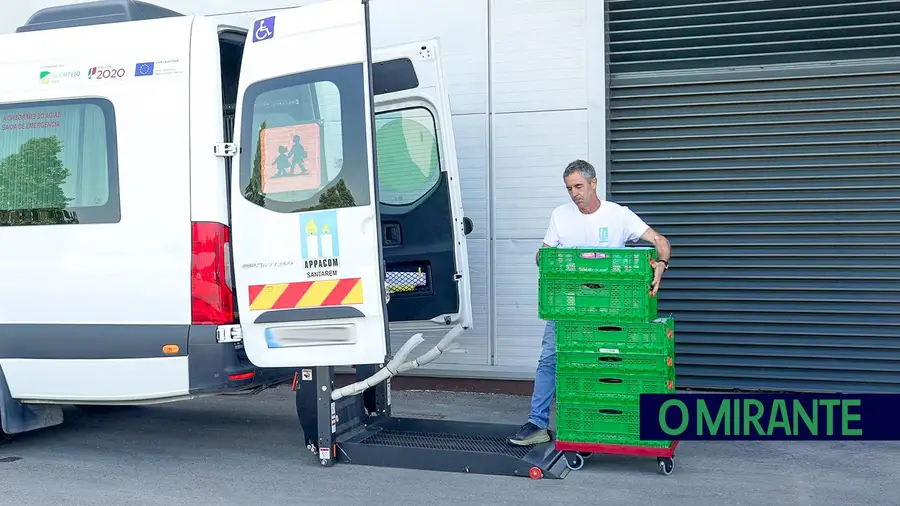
(589, 223)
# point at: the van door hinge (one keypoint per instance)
(225, 149)
(229, 334)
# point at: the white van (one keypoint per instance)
(189, 208)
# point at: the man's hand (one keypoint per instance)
(663, 250)
(537, 255)
(658, 269)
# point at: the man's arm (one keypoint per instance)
(663, 251)
(663, 248)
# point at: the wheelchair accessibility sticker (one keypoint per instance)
(264, 29)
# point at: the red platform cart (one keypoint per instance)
(577, 453)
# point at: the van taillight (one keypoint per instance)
(212, 301)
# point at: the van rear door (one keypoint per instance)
(423, 225)
(307, 242)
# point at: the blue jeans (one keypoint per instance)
(544, 379)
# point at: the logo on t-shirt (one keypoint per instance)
(603, 235)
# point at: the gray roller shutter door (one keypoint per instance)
(774, 169)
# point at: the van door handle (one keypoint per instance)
(392, 234)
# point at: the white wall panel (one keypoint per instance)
(539, 54)
(471, 153)
(517, 326)
(473, 344)
(530, 152)
(460, 26)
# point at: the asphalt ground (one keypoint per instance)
(247, 450)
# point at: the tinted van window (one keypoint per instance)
(408, 161)
(58, 163)
(305, 144)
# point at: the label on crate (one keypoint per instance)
(608, 350)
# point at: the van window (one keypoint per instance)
(408, 162)
(306, 139)
(58, 163)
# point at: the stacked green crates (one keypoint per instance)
(611, 345)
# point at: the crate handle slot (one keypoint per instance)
(610, 328)
(592, 286)
(593, 256)
(609, 380)
(609, 359)
(610, 411)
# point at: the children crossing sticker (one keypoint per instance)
(290, 158)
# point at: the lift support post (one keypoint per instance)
(360, 430)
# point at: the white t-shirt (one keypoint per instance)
(611, 226)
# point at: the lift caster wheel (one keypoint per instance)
(575, 462)
(535, 473)
(666, 465)
(325, 462)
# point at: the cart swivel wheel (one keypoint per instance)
(666, 465)
(586, 455)
(575, 462)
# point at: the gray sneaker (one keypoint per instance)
(530, 434)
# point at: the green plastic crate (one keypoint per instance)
(594, 263)
(585, 385)
(606, 422)
(656, 337)
(631, 363)
(609, 300)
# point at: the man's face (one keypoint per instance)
(581, 190)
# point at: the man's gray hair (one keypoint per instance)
(585, 168)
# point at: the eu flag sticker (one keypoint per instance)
(143, 69)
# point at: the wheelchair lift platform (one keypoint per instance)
(360, 430)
